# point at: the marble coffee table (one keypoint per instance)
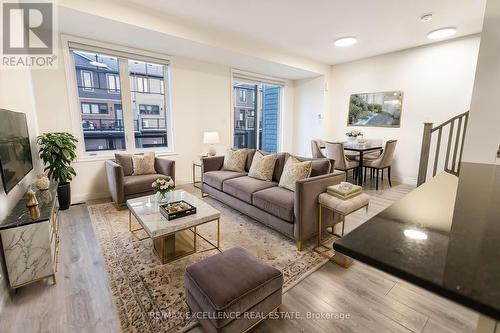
(175, 238)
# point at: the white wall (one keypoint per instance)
(201, 101)
(437, 83)
(483, 132)
(16, 94)
(310, 106)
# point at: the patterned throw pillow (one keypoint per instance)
(235, 160)
(262, 166)
(143, 164)
(293, 171)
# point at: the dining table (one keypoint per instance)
(361, 148)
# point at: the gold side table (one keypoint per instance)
(197, 183)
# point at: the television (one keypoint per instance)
(15, 150)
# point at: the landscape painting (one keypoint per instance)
(381, 109)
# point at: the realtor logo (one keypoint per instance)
(28, 35)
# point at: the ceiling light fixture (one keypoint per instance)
(345, 41)
(426, 18)
(442, 33)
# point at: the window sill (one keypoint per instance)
(109, 156)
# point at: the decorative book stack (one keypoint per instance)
(344, 190)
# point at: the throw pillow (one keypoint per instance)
(144, 164)
(125, 161)
(293, 171)
(262, 166)
(235, 160)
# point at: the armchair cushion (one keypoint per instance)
(125, 161)
(139, 183)
(144, 164)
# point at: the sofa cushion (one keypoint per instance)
(216, 178)
(230, 282)
(262, 166)
(235, 160)
(139, 183)
(320, 166)
(277, 201)
(293, 171)
(243, 187)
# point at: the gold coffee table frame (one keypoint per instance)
(175, 245)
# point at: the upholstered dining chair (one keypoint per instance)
(384, 161)
(316, 148)
(335, 151)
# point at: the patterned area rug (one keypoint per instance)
(149, 296)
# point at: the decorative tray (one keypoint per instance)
(177, 209)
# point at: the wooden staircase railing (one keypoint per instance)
(454, 146)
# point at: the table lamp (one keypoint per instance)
(211, 138)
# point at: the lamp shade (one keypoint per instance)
(210, 138)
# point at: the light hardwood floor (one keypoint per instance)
(375, 301)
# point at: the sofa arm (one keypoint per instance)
(307, 192)
(165, 167)
(212, 163)
(114, 173)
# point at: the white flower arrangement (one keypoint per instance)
(163, 185)
(354, 134)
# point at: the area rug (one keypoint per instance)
(149, 296)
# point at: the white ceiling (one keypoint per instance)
(77, 23)
(309, 27)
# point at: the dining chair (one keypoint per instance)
(316, 145)
(335, 151)
(382, 162)
(318, 153)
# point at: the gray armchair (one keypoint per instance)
(123, 185)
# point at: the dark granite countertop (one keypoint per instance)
(20, 214)
(443, 236)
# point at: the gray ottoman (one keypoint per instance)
(232, 291)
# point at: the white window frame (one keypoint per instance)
(70, 42)
(239, 76)
(91, 76)
(115, 78)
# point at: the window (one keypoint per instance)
(105, 119)
(257, 124)
(113, 83)
(94, 108)
(87, 80)
(149, 109)
(149, 106)
(142, 84)
(243, 95)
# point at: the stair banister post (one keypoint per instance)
(424, 153)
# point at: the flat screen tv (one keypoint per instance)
(15, 150)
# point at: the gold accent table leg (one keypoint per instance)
(218, 233)
(129, 220)
(299, 245)
(320, 222)
(343, 224)
(194, 238)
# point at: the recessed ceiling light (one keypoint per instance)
(442, 33)
(426, 18)
(345, 41)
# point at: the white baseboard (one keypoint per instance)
(83, 197)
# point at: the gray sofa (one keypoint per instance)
(294, 214)
(123, 185)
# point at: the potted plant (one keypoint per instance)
(58, 151)
(352, 135)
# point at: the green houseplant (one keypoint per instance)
(58, 151)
